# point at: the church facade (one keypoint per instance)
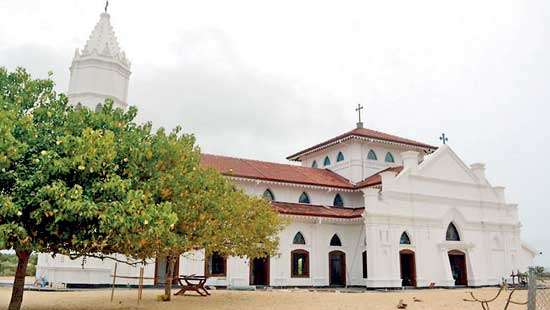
(364, 208)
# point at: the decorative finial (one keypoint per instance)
(358, 110)
(106, 5)
(443, 138)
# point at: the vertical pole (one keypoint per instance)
(532, 292)
(140, 287)
(114, 281)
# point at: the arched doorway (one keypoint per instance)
(337, 268)
(408, 268)
(259, 271)
(457, 259)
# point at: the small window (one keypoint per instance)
(372, 155)
(268, 195)
(404, 239)
(304, 198)
(299, 263)
(452, 233)
(98, 107)
(389, 158)
(365, 271)
(338, 201)
(314, 164)
(299, 239)
(216, 265)
(335, 241)
(326, 162)
(340, 157)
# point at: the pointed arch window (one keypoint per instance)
(452, 233)
(268, 195)
(304, 198)
(338, 201)
(98, 107)
(340, 157)
(326, 162)
(314, 164)
(405, 239)
(389, 158)
(335, 241)
(299, 239)
(372, 155)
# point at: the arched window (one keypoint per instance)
(268, 195)
(365, 270)
(326, 162)
(372, 155)
(299, 260)
(335, 241)
(452, 233)
(299, 239)
(338, 201)
(404, 239)
(215, 265)
(339, 157)
(389, 158)
(304, 198)
(98, 107)
(314, 164)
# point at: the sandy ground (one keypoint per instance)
(277, 299)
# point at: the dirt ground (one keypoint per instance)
(247, 300)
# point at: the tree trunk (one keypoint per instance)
(19, 282)
(170, 262)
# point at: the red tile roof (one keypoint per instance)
(362, 133)
(376, 179)
(316, 210)
(254, 169)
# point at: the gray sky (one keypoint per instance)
(263, 79)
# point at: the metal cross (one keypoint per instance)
(106, 5)
(358, 110)
(443, 138)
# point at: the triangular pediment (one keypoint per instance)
(444, 164)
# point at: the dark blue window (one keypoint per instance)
(372, 155)
(389, 158)
(299, 239)
(338, 201)
(452, 233)
(404, 239)
(340, 157)
(314, 164)
(304, 198)
(335, 241)
(326, 162)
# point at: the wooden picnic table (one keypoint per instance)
(192, 283)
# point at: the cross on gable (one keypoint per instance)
(444, 138)
(358, 110)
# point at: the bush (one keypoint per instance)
(8, 265)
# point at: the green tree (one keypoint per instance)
(212, 213)
(67, 177)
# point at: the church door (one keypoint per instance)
(259, 271)
(408, 268)
(160, 271)
(457, 260)
(337, 268)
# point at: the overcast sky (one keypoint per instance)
(264, 79)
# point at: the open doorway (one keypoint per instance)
(259, 271)
(408, 268)
(457, 259)
(337, 268)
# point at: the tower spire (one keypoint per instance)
(106, 5)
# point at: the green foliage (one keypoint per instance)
(8, 264)
(67, 183)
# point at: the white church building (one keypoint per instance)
(364, 208)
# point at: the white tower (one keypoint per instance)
(101, 70)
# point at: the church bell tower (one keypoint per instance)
(101, 70)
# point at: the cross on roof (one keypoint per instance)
(358, 110)
(106, 5)
(444, 138)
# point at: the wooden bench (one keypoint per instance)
(192, 283)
